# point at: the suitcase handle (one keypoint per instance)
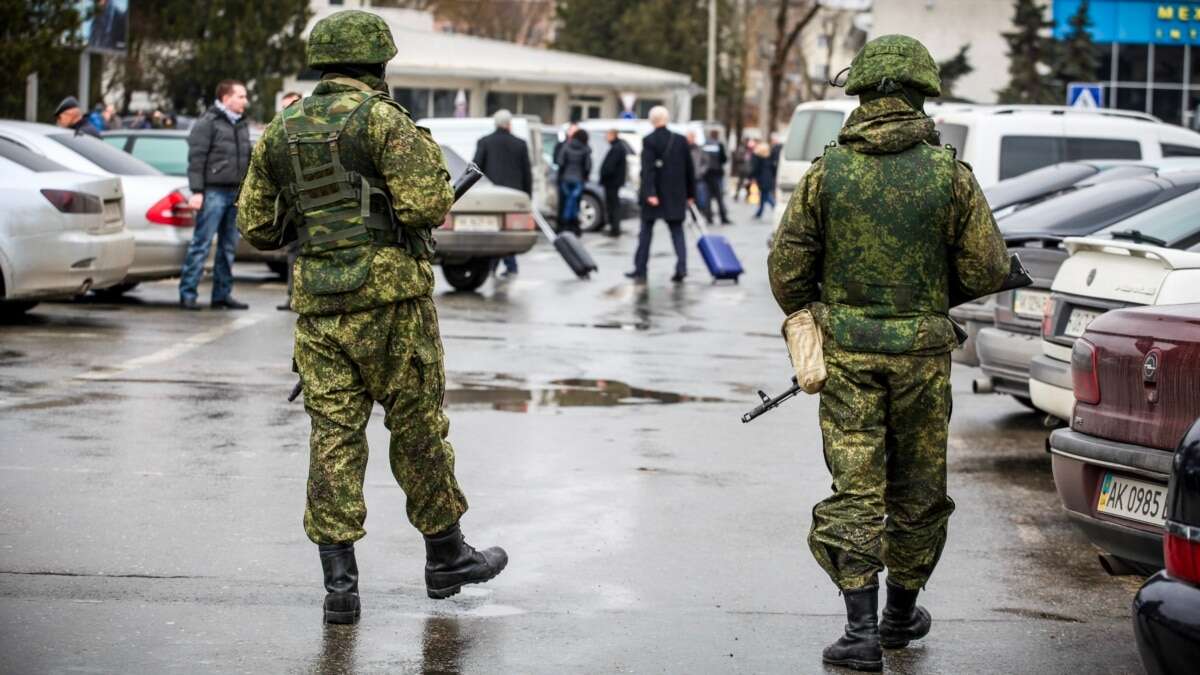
(695, 219)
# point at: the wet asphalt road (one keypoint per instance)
(152, 486)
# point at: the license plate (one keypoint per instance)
(1079, 320)
(470, 223)
(1029, 303)
(112, 212)
(1133, 499)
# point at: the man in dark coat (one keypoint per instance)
(714, 175)
(68, 115)
(668, 188)
(504, 159)
(613, 172)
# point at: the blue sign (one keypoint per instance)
(628, 115)
(1089, 95)
(1134, 21)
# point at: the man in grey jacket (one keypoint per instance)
(218, 155)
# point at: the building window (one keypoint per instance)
(1132, 63)
(415, 101)
(584, 107)
(538, 105)
(429, 102)
(1168, 64)
(501, 99)
(642, 109)
(1167, 105)
(444, 102)
(1131, 98)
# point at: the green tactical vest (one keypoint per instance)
(885, 277)
(339, 215)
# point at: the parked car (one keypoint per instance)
(1099, 276)
(1166, 610)
(156, 209)
(1036, 186)
(1010, 323)
(1135, 375)
(167, 151)
(486, 224)
(62, 233)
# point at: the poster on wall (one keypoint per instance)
(105, 25)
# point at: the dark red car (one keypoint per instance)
(1136, 374)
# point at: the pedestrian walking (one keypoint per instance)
(574, 161)
(218, 154)
(293, 249)
(876, 234)
(714, 176)
(700, 165)
(762, 170)
(504, 159)
(368, 329)
(562, 200)
(614, 170)
(741, 168)
(69, 116)
(668, 186)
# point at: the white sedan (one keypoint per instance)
(156, 209)
(62, 233)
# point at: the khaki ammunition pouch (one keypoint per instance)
(805, 344)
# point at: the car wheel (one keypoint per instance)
(114, 292)
(468, 276)
(14, 308)
(279, 267)
(590, 212)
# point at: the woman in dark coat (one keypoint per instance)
(574, 166)
(762, 171)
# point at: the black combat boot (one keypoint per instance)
(341, 583)
(903, 621)
(859, 648)
(450, 563)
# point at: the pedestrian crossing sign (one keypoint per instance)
(1086, 95)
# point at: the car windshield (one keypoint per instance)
(809, 132)
(30, 160)
(1173, 222)
(1037, 183)
(1086, 210)
(105, 156)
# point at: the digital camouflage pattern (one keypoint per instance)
(390, 354)
(869, 242)
(380, 142)
(897, 58)
(884, 423)
(350, 36)
(378, 341)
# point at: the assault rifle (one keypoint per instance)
(465, 182)
(769, 403)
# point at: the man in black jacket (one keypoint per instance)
(714, 175)
(668, 188)
(218, 155)
(68, 115)
(504, 159)
(612, 176)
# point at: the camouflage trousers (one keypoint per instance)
(884, 422)
(348, 362)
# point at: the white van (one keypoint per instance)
(1101, 275)
(999, 142)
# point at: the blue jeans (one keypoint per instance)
(572, 192)
(765, 197)
(218, 216)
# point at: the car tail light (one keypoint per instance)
(1048, 317)
(68, 201)
(518, 221)
(172, 210)
(1084, 376)
(1181, 551)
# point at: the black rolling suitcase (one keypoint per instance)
(569, 247)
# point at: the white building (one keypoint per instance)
(436, 74)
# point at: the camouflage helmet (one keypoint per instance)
(350, 36)
(897, 58)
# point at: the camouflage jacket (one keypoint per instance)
(380, 140)
(874, 232)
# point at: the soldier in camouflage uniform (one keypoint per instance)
(874, 236)
(347, 175)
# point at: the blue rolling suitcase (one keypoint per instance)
(717, 252)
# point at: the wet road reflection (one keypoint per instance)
(564, 393)
(338, 651)
(442, 646)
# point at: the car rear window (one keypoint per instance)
(22, 156)
(1175, 222)
(954, 134)
(1021, 154)
(1172, 150)
(1086, 210)
(809, 132)
(1037, 183)
(105, 156)
(168, 154)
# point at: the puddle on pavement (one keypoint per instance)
(614, 325)
(566, 393)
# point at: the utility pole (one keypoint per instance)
(31, 97)
(710, 107)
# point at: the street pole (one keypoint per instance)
(31, 97)
(710, 107)
(85, 79)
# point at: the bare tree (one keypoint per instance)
(788, 28)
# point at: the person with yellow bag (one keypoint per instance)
(878, 236)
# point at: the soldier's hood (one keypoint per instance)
(327, 86)
(885, 126)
